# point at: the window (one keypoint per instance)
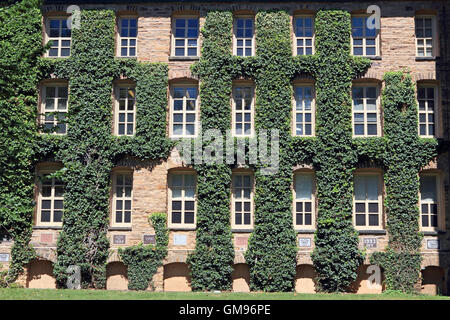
(303, 111)
(60, 36)
(425, 34)
(367, 201)
(243, 37)
(54, 108)
(127, 37)
(242, 201)
(426, 95)
(185, 37)
(123, 198)
(184, 111)
(364, 40)
(304, 35)
(429, 201)
(51, 201)
(304, 200)
(366, 112)
(125, 111)
(182, 199)
(243, 111)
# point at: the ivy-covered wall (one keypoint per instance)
(89, 152)
(20, 49)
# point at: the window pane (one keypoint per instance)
(428, 188)
(360, 188)
(372, 187)
(45, 216)
(176, 217)
(57, 216)
(360, 220)
(303, 187)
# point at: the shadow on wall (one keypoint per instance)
(433, 280)
(364, 284)
(305, 279)
(176, 277)
(241, 278)
(116, 276)
(40, 275)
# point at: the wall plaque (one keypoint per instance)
(4, 257)
(119, 239)
(433, 244)
(46, 237)
(149, 239)
(304, 242)
(179, 239)
(5, 240)
(242, 241)
(370, 243)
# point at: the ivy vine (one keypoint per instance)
(144, 260)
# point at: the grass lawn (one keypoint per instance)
(49, 294)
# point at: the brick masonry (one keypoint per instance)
(150, 178)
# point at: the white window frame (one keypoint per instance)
(242, 226)
(235, 111)
(364, 38)
(440, 214)
(295, 201)
(59, 38)
(303, 38)
(52, 200)
(185, 38)
(435, 112)
(43, 104)
(184, 111)
(424, 39)
(366, 201)
(244, 39)
(303, 112)
(365, 111)
(123, 198)
(183, 199)
(120, 38)
(117, 110)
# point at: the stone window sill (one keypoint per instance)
(380, 232)
(119, 229)
(433, 233)
(174, 58)
(182, 228)
(47, 227)
(241, 230)
(305, 231)
(426, 58)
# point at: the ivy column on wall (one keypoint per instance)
(336, 256)
(20, 48)
(89, 151)
(405, 154)
(211, 262)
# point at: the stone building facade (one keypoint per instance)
(396, 48)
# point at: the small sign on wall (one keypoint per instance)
(46, 238)
(149, 239)
(370, 243)
(119, 239)
(4, 257)
(433, 244)
(180, 240)
(304, 242)
(5, 240)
